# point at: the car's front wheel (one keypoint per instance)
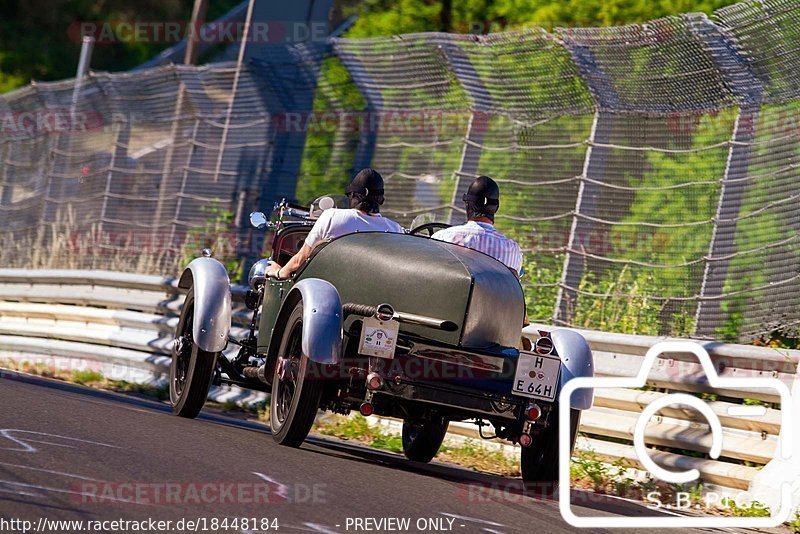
(192, 368)
(296, 391)
(422, 439)
(540, 459)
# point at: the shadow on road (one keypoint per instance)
(474, 486)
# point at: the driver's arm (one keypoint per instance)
(319, 233)
(292, 265)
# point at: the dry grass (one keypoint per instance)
(89, 378)
(470, 454)
(65, 244)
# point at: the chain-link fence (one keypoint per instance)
(650, 172)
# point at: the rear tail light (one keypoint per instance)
(525, 440)
(543, 345)
(366, 409)
(374, 381)
(533, 412)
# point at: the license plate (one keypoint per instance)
(378, 338)
(537, 376)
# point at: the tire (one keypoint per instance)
(539, 461)
(422, 439)
(192, 369)
(295, 401)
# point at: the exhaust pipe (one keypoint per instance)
(259, 373)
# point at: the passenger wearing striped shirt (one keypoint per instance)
(482, 200)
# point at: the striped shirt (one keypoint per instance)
(485, 238)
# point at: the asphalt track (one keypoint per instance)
(72, 453)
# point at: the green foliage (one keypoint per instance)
(754, 509)
(159, 392)
(86, 377)
(216, 235)
(472, 453)
(794, 524)
(616, 303)
(587, 465)
(755, 402)
(40, 39)
(541, 273)
(768, 182)
(388, 442)
(391, 17)
(647, 486)
(695, 491)
(358, 428)
(332, 134)
(355, 427)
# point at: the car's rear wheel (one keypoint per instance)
(192, 368)
(296, 392)
(422, 439)
(539, 461)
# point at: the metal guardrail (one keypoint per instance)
(128, 320)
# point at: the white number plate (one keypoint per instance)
(537, 376)
(378, 338)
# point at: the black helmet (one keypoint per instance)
(482, 198)
(366, 191)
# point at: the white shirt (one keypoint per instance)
(333, 223)
(483, 237)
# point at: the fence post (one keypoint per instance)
(119, 151)
(747, 89)
(470, 80)
(234, 88)
(6, 191)
(166, 169)
(184, 177)
(594, 164)
(290, 74)
(47, 168)
(85, 60)
(368, 133)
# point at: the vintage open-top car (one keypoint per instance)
(389, 324)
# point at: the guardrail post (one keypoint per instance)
(594, 165)
(747, 88)
(470, 80)
(769, 482)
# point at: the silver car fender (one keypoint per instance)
(212, 302)
(322, 319)
(576, 358)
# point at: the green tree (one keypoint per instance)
(391, 17)
(40, 39)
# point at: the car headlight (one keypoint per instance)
(258, 274)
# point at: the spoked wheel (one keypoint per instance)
(422, 439)
(428, 229)
(540, 459)
(295, 392)
(191, 369)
